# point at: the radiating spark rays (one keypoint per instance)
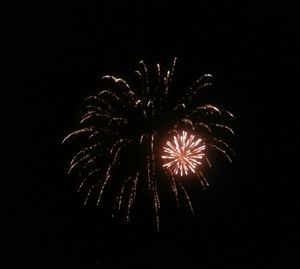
(110, 94)
(166, 83)
(91, 98)
(92, 108)
(223, 126)
(154, 185)
(174, 188)
(158, 73)
(188, 123)
(121, 193)
(199, 83)
(132, 196)
(103, 116)
(141, 82)
(108, 124)
(84, 160)
(108, 172)
(87, 196)
(220, 141)
(229, 114)
(141, 138)
(168, 78)
(75, 133)
(184, 154)
(146, 78)
(203, 180)
(186, 196)
(208, 161)
(119, 197)
(83, 168)
(113, 147)
(119, 81)
(222, 151)
(172, 69)
(198, 89)
(74, 164)
(203, 77)
(86, 177)
(202, 125)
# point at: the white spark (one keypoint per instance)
(184, 154)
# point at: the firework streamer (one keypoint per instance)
(170, 139)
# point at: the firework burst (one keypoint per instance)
(134, 133)
(184, 154)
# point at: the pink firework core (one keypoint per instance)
(184, 154)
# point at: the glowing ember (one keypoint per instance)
(184, 154)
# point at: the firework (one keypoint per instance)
(135, 133)
(184, 154)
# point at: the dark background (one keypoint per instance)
(53, 56)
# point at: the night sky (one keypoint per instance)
(54, 55)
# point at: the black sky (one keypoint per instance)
(54, 55)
